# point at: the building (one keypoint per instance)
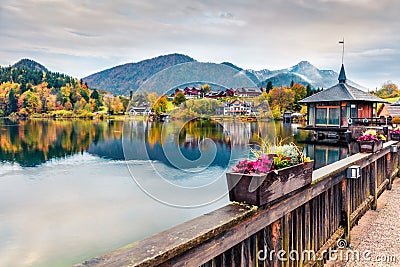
(188, 92)
(341, 105)
(235, 108)
(248, 92)
(143, 109)
(389, 111)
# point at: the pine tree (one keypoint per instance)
(12, 102)
(269, 86)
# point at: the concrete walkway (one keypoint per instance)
(376, 238)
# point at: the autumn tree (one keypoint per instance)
(179, 99)
(281, 98)
(206, 87)
(117, 105)
(108, 100)
(389, 89)
(152, 98)
(160, 106)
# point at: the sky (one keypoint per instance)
(80, 38)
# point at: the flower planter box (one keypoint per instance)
(395, 136)
(260, 189)
(370, 146)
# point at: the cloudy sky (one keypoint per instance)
(80, 37)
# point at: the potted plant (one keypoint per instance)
(370, 141)
(275, 172)
(395, 134)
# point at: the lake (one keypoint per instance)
(71, 190)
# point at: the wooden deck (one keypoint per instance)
(312, 219)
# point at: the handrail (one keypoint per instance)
(311, 218)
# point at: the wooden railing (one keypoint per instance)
(295, 231)
(377, 121)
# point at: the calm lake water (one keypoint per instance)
(72, 190)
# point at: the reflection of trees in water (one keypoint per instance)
(33, 142)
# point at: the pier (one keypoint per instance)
(310, 220)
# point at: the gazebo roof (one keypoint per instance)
(342, 92)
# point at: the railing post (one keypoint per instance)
(390, 167)
(374, 184)
(346, 212)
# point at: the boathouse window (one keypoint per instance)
(321, 115)
(374, 109)
(334, 115)
(327, 113)
(311, 114)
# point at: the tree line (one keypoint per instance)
(26, 92)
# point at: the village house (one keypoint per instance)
(188, 92)
(389, 111)
(248, 92)
(236, 107)
(341, 105)
(141, 110)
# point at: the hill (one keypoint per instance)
(29, 64)
(124, 78)
(29, 72)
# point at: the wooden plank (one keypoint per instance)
(373, 184)
(345, 221)
(170, 243)
(330, 243)
(360, 211)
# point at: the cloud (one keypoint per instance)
(252, 34)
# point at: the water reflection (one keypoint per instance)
(33, 142)
(66, 194)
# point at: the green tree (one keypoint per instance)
(94, 94)
(12, 102)
(269, 86)
(291, 84)
(309, 90)
(179, 99)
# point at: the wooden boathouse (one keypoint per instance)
(340, 106)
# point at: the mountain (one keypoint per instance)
(29, 64)
(171, 73)
(129, 77)
(218, 76)
(251, 75)
(284, 79)
(303, 72)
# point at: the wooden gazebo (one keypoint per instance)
(340, 106)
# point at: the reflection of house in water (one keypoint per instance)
(239, 133)
(324, 155)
